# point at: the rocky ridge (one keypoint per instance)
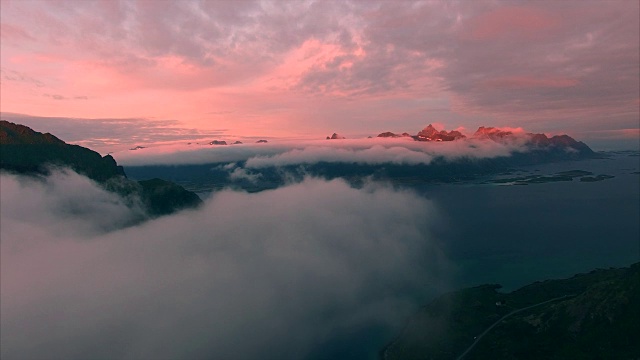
(28, 152)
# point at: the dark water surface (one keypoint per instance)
(514, 235)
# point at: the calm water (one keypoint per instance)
(514, 235)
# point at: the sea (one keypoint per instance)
(517, 234)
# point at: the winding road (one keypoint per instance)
(504, 317)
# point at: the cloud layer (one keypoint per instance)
(298, 271)
(290, 68)
(361, 151)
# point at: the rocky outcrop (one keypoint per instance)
(218, 142)
(431, 134)
(428, 132)
(492, 133)
(389, 134)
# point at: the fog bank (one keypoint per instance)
(401, 151)
(286, 273)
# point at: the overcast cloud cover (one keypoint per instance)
(279, 274)
(294, 68)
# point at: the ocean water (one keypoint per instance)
(514, 235)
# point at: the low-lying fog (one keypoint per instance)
(403, 151)
(313, 269)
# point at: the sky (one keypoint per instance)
(144, 72)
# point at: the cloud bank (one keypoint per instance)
(362, 151)
(301, 271)
(64, 203)
(399, 154)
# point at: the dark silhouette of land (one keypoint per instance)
(28, 152)
(589, 316)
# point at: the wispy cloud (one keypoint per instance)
(61, 97)
(13, 75)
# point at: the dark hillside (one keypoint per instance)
(589, 316)
(27, 152)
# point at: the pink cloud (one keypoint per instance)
(527, 22)
(314, 68)
(621, 134)
(524, 82)
(10, 32)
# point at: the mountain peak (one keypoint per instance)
(388, 134)
(492, 133)
(430, 133)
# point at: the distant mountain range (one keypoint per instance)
(531, 149)
(223, 142)
(588, 316)
(430, 133)
(28, 152)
